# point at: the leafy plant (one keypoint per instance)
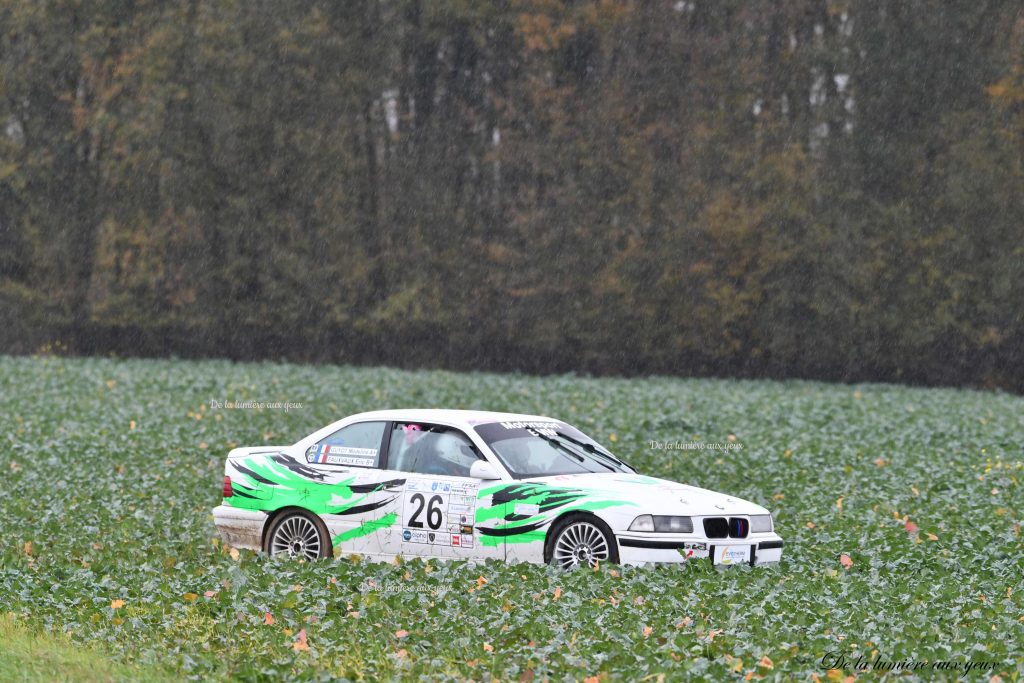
(901, 511)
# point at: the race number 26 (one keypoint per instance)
(433, 508)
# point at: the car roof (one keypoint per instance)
(462, 418)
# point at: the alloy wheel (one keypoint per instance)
(580, 543)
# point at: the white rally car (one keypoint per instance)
(476, 485)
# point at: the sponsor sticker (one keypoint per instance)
(415, 536)
(732, 554)
(456, 540)
(551, 426)
(527, 510)
(427, 537)
(467, 540)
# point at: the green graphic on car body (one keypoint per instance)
(274, 482)
(367, 528)
(277, 482)
(263, 483)
(549, 502)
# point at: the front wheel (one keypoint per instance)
(298, 534)
(582, 539)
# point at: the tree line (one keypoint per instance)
(803, 188)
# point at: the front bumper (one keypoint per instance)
(756, 550)
(240, 528)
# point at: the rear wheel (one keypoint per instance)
(298, 534)
(582, 540)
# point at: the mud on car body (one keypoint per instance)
(476, 485)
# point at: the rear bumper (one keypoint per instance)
(764, 549)
(240, 528)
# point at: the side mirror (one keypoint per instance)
(481, 469)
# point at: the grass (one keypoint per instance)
(27, 657)
(110, 469)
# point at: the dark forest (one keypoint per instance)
(829, 190)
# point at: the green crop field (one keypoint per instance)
(901, 509)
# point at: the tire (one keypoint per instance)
(297, 533)
(579, 538)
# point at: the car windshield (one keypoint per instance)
(543, 449)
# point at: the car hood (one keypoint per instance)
(657, 496)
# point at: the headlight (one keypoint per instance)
(662, 523)
(760, 523)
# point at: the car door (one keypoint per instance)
(363, 503)
(439, 499)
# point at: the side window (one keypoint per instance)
(430, 449)
(357, 445)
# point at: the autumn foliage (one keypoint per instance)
(801, 188)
